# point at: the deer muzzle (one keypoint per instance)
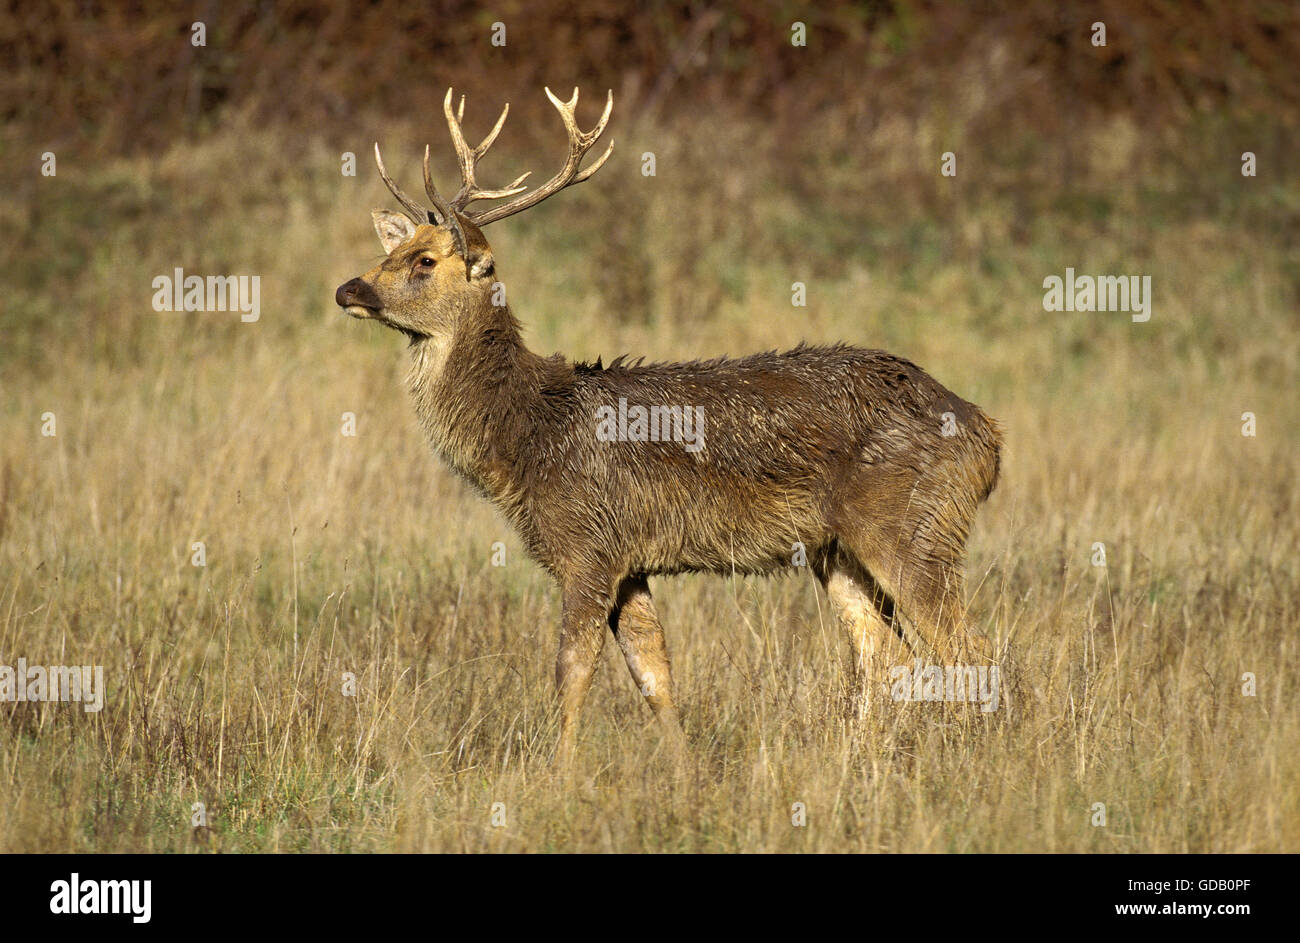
(358, 294)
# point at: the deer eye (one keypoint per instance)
(425, 262)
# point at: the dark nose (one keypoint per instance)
(343, 294)
(357, 292)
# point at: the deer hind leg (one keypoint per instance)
(924, 579)
(936, 593)
(582, 636)
(640, 635)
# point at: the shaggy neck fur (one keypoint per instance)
(476, 393)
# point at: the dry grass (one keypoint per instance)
(328, 554)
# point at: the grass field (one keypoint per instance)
(328, 554)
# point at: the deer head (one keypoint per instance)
(438, 266)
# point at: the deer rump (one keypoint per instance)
(796, 451)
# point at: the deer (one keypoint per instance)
(856, 458)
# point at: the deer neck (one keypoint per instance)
(473, 391)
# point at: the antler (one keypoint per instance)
(468, 157)
(579, 143)
(414, 211)
(444, 212)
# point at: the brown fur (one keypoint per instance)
(837, 448)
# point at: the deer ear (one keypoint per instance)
(480, 263)
(392, 228)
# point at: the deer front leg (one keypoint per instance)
(640, 635)
(582, 636)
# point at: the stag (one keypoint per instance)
(854, 460)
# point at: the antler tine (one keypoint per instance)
(566, 110)
(468, 157)
(414, 211)
(599, 162)
(510, 190)
(431, 191)
(579, 143)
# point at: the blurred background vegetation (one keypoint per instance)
(824, 156)
(774, 164)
